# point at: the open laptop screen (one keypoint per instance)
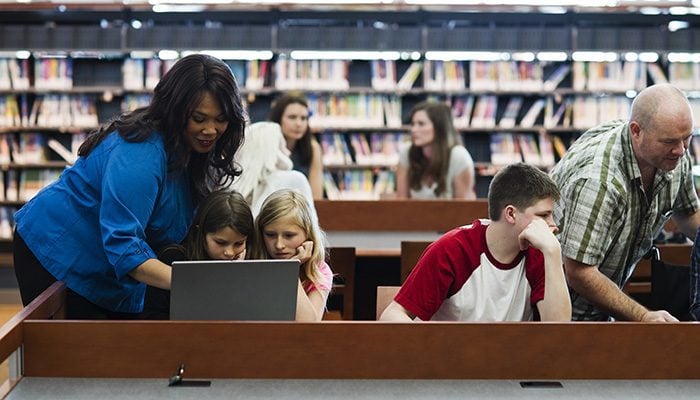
(249, 290)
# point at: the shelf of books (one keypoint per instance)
(505, 110)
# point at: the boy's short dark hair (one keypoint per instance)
(521, 185)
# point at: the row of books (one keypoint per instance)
(614, 76)
(632, 75)
(310, 74)
(382, 149)
(579, 112)
(488, 112)
(359, 184)
(591, 111)
(535, 149)
(509, 75)
(49, 111)
(53, 73)
(131, 102)
(14, 74)
(22, 185)
(685, 76)
(35, 148)
(450, 75)
(144, 74)
(354, 111)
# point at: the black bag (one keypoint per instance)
(670, 287)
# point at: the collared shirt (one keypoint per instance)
(604, 216)
(104, 216)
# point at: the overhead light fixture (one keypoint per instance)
(187, 2)
(678, 10)
(552, 56)
(683, 57)
(23, 54)
(588, 3)
(526, 56)
(648, 56)
(175, 8)
(334, 2)
(344, 55)
(467, 56)
(234, 54)
(594, 56)
(136, 54)
(168, 55)
(413, 55)
(676, 25)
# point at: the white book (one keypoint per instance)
(579, 75)
(530, 117)
(657, 74)
(556, 77)
(5, 81)
(554, 119)
(409, 77)
(133, 74)
(383, 74)
(511, 112)
(62, 151)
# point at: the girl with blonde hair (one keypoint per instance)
(286, 229)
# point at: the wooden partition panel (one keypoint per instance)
(367, 350)
(398, 215)
(342, 262)
(48, 305)
(410, 254)
(677, 254)
(385, 295)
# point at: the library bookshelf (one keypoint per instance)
(61, 74)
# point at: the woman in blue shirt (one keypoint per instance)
(133, 190)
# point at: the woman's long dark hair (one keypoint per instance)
(277, 110)
(445, 139)
(175, 98)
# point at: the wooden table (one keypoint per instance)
(291, 356)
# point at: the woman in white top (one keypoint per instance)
(267, 166)
(435, 165)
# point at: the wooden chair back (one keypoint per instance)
(385, 295)
(410, 253)
(342, 262)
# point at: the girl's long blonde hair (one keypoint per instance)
(289, 203)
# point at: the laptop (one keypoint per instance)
(250, 290)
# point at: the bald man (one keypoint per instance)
(620, 183)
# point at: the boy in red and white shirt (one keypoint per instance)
(497, 270)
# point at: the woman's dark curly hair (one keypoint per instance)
(175, 98)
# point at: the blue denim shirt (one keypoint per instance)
(695, 279)
(105, 216)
